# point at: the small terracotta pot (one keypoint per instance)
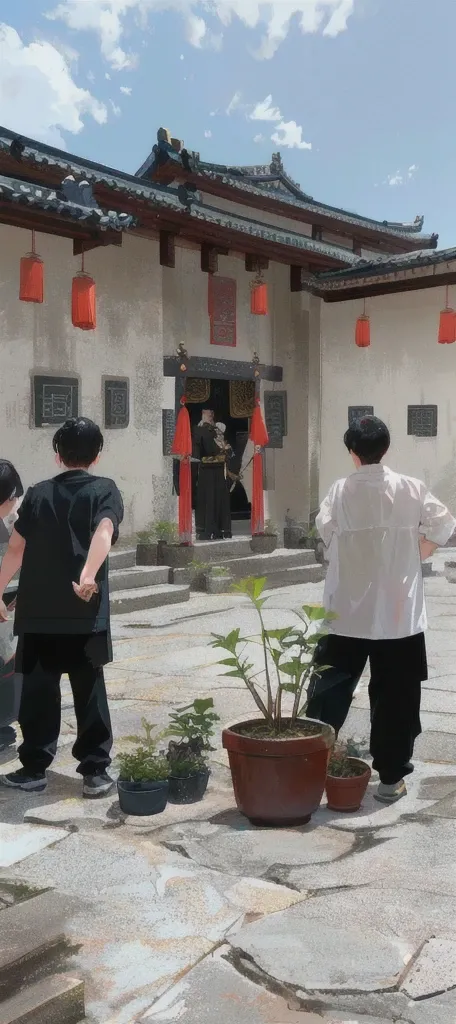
(347, 794)
(278, 782)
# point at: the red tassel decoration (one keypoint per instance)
(31, 287)
(259, 299)
(182, 447)
(447, 324)
(260, 437)
(83, 301)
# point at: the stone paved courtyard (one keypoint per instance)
(197, 916)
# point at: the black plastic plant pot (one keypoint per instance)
(188, 790)
(142, 798)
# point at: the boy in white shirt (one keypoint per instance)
(377, 526)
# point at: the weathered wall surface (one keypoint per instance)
(404, 366)
(127, 342)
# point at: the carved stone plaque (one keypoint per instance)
(275, 409)
(357, 412)
(55, 399)
(422, 420)
(116, 404)
(168, 426)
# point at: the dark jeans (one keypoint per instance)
(39, 719)
(397, 669)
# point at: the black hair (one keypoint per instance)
(369, 439)
(10, 482)
(78, 442)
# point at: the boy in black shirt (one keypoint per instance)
(61, 541)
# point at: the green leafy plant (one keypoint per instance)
(194, 722)
(340, 764)
(184, 767)
(219, 570)
(199, 566)
(287, 657)
(159, 530)
(270, 528)
(143, 764)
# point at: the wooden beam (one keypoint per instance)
(357, 247)
(167, 249)
(386, 287)
(253, 264)
(209, 258)
(106, 238)
(298, 277)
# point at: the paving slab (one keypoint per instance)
(17, 842)
(434, 971)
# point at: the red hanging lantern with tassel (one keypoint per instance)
(260, 437)
(259, 305)
(362, 331)
(447, 324)
(31, 287)
(83, 301)
(182, 448)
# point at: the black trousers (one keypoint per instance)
(397, 668)
(40, 708)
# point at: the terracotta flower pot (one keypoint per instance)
(278, 782)
(348, 794)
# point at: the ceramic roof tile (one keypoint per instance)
(380, 267)
(31, 194)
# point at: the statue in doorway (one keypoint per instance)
(213, 518)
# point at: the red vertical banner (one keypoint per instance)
(222, 310)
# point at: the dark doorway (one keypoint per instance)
(237, 432)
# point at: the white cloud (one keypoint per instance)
(274, 18)
(208, 134)
(265, 111)
(399, 178)
(115, 109)
(395, 179)
(126, 90)
(38, 96)
(91, 76)
(289, 134)
(234, 104)
(259, 138)
(412, 171)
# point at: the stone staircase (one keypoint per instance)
(34, 985)
(137, 588)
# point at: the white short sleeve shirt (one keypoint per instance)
(371, 523)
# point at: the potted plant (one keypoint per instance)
(193, 725)
(265, 543)
(217, 579)
(170, 551)
(348, 777)
(278, 761)
(143, 785)
(151, 541)
(294, 533)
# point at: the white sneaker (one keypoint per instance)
(390, 794)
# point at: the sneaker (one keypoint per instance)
(26, 781)
(390, 794)
(97, 785)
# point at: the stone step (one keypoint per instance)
(220, 551)
(122, 559)
(32, 934)
(291, 577)
(138, 576)
(263, 565)
(124, 601)
(57, 999)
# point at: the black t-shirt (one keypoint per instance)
(57, 520)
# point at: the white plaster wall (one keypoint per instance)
(404, 366)
(127, 342)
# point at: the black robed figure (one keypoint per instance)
(213, 518)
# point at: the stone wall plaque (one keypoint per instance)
(116, 403)
(168, 426)
(242, 399)
(275, 410)
(197, 389)
(55, 399)
(422, 420)
(357, 412)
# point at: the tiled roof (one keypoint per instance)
(388, 265)
(28, 193)
(226, 175)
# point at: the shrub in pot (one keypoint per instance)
(279, 760)
(348, 777)
(193, 725)
(143, 785)
(217, 579)
(265, 543)
(152, 540)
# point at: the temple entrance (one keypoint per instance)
(218, 398)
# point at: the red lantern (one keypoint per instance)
(362, 330)
(447, 324)
(259, 299)
(83, 301)
(182, 447)
(260, 437)
(31, 287)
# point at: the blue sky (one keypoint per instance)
(358, 95)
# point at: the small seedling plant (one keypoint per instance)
(193, 726)
(287, 656)
(143, 764)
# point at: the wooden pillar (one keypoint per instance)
(167, 249)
